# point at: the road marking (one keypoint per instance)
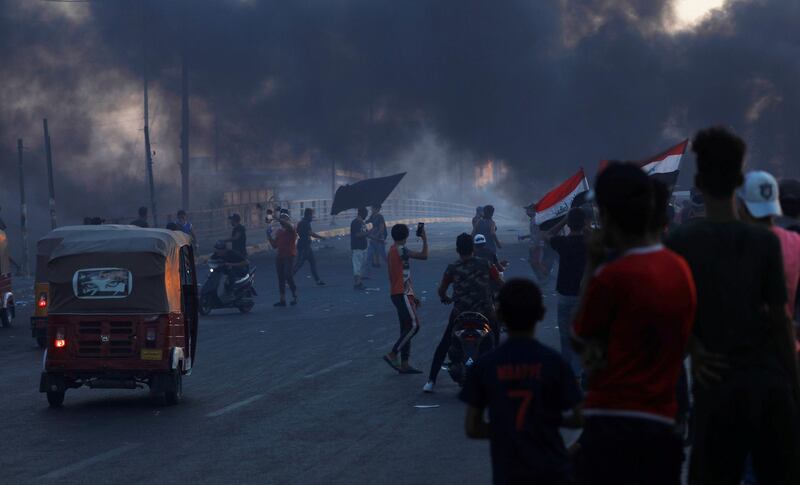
(62, 472)
(234, 406)
(329, 369)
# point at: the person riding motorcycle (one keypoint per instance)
(471, 278)
(230, 263)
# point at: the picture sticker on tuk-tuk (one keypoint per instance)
(100, 283)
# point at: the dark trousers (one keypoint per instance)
(306, 254)
(629, 451)
(442, 348)
(748, 413)
(447, 341)
(285, 269)
(409, 324)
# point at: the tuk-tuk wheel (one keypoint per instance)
(173, 392)
(205, 306)
(6, 316)
(55, 398)
(174, 397)
(246, 307)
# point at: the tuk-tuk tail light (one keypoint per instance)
(42, 301)
(61, 340)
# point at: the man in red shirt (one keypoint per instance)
(402, 295)
(284, 240)
(632, 331)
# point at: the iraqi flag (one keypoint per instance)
(664, 166)
(556, 203)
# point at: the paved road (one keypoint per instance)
(292, 395)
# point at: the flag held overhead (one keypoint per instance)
(665, 166)
(364, 193)
(556, 203)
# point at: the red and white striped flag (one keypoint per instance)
(664, 166)
(556, 203)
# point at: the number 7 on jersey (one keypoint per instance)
(522, 411)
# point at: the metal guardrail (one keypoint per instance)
(213, 224)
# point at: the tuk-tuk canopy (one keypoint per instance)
(114, 269)
(5, 262)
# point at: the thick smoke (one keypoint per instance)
(545, 86)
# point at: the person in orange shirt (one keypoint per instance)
(402, 295)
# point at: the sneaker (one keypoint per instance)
(320, 283)
(428, 387)
(409, 370)
(294, 301)
(280, 303)
(359, 287)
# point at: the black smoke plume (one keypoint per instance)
(545, 86)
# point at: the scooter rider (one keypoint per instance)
(230, 263)
(471, 278)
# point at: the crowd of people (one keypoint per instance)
(638, 293)
(643, 288)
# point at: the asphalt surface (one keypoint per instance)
(295, 395)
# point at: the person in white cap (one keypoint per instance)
(481, 251)
(759, 199)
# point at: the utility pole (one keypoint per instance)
(370, 129)
(333, 187)
(150, 175)
(184, 127)
(50, 185)
(216, 141)
(23, 220)
(461, 175)
(148, 152)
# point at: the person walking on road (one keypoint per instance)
(744, 363)
(141, 221)
(530, 392)
(185, 226)
(304, 251)
(376, 251)
(477, 217)
(402, 296)
(471, 279)
(488, 229)
(632, 330)
(238, 237)
(358, 246)
(284, 241)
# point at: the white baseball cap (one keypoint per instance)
(479, 239)
(760, 194)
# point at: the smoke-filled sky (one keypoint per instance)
(417, 85)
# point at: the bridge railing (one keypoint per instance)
(213, 224)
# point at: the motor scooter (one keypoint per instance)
(472, 337)
(214, 294)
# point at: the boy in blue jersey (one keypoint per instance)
(530, 392)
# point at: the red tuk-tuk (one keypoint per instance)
(7, 309)
(122, 311)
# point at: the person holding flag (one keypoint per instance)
(548, 213)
